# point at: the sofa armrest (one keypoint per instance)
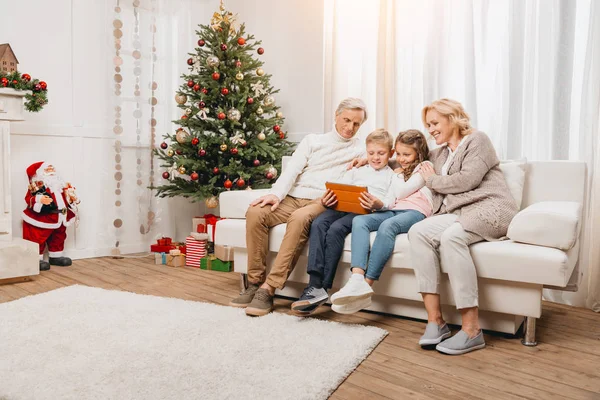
(233, 204)
(547, 223)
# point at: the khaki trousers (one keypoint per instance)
(298, 214)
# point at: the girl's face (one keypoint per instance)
(405, 155)
(378, 155)
(440, 127)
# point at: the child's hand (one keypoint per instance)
(426, 170)
(370, 202)
(329, 199)
(399, 170)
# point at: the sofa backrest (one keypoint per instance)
(554, 181)
(547, 181)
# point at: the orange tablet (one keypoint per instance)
(347, 196)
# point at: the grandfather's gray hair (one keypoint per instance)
(352, 103)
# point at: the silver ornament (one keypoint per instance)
(279, 114)
(212, 61)
(234, 115)
(259, 111)
(182, 136)
(188, 111)
(269, 101)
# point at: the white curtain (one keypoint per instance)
(527, 71)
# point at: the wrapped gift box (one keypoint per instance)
(214, 264)
(196, 249)
(224, 253)
(156, 248)
(160, 258)
(164, 241)
(206, 223)
(175, 261)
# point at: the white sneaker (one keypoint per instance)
(355, 289)
(353, 307)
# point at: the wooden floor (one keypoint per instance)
(565, 364)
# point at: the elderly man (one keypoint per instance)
(295, 200)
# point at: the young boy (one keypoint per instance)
(329, 230)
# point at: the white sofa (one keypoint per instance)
(511, 274)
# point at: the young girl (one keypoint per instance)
(413, 204)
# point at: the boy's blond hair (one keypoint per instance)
(381, 136)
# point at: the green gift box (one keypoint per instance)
(214, 264)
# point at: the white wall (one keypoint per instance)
(71, 49)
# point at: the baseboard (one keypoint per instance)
(77, 254)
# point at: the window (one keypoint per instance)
(12, 64)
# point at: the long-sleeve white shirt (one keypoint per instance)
(319, 158)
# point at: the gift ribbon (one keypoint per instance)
(212, 219)
(164, 258)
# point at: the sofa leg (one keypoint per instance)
(243, 282)
(529, 332)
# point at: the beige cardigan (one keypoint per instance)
(474, 188)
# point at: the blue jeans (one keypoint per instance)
(388, 225)
(326, 244)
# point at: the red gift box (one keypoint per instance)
(156, 248)
(196, 250)
(165, 241)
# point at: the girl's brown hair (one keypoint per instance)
(415, 139)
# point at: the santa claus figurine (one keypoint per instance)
(50, 205)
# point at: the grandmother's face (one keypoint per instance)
(440, 127)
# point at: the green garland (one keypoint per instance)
(34, 101)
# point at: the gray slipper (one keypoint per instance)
(434, 334)
(461, 344)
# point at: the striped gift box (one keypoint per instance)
(195, 249)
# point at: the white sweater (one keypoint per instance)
(381, 183)
(319, 158)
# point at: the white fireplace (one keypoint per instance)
(18, 257)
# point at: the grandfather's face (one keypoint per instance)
(348, 121)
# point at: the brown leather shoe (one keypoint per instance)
(245, 297)
(261, 304)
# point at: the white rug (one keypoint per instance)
(80, 342)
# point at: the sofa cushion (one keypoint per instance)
(514, 175)
(233, 204)
(547, 223)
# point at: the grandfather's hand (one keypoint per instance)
(46, 200)
(357, 162)
(329, 199)
(370, 202)
(267, 199)
(426, 170)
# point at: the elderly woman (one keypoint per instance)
(471, 203)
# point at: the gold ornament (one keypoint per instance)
(170, 152)
(259, 111)
(269, 101)
(181, 170)
(212, 202)
(260, 72)
(212, 61)
(188, 111)
(182, 136)
(180, 98)
(279, 114)
(261, 136)
(224, 17)
(223, 147)
(239, 76)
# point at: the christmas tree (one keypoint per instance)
(230, 134)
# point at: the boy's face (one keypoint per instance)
(378, 155)
(405, 155)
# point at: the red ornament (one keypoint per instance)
(228, 184)
(195, 141)
(165, 175)
(224, 91)
(26, 77)
(215, 170)
(190, 83)
(223, 47)
(256, 163)
(234, 151)
(190, 61)
(244, 143)
(216, 76)
(240, 183)
(184, 117)
(201, 152)
(205, 90)
(221, 115)
(164, 146)
(15, 82)
(5, 84)
(201, 42)
(260, 50)
(201, 104)
(250, 100)
(241, 41)
(281, 135)
(194, 176)
(196, 87)
(238, 63)
(276, 128)
(179, 152)
(43, 85)
(269, 176)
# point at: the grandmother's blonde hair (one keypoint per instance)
(452, 110)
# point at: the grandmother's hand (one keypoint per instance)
(426, 171)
